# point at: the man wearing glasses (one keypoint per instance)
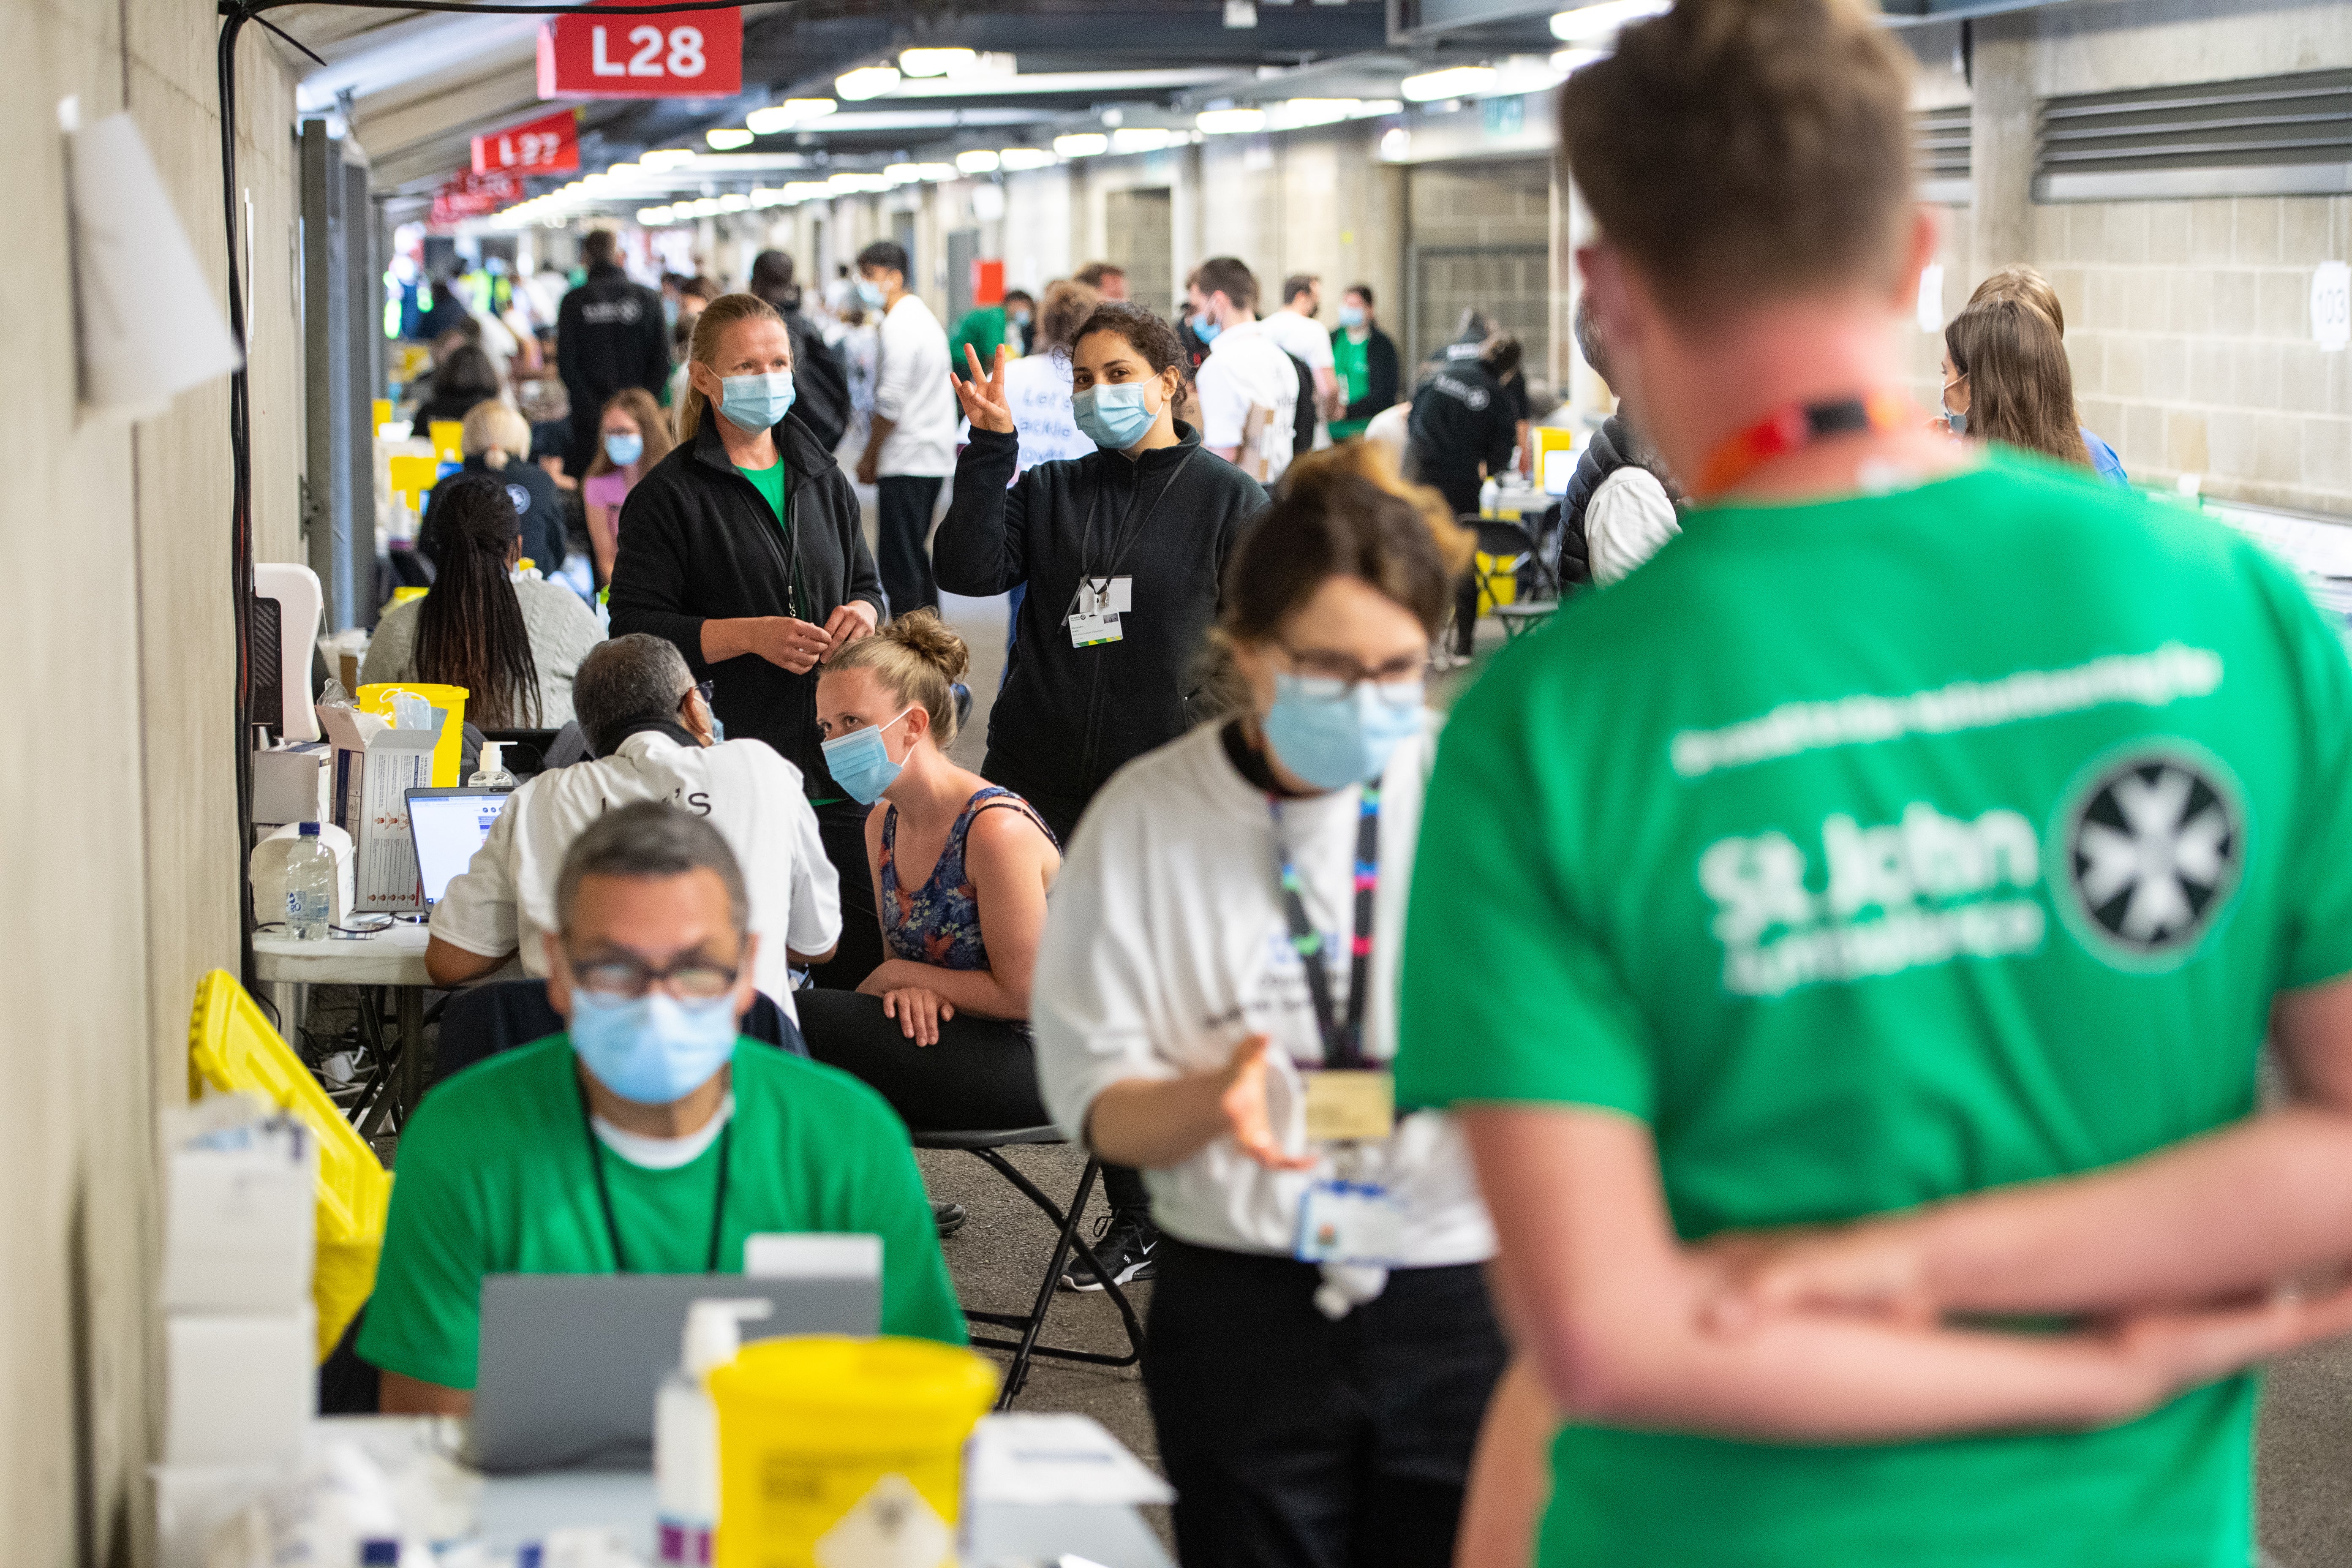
(647, 1137)
(655, 740)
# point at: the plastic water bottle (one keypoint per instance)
(490, 769)
(1488, 494)
(309, 886)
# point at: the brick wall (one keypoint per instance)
(2189, 326)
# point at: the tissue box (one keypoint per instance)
(239, 1387)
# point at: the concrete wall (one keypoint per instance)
(2187, 321)
(122, 862)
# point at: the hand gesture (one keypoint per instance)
(1247, 1116)
(789, 643)
(984, 395)
(846, 625)
(920, 1013)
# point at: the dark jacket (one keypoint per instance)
(1461, 417)
(1610, 450)
(609, 335)
(820, 386)
(541, 509)
(1069, 717)
(1384, 374)
(699, 543)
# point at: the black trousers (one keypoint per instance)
(842, 827)
(906, 555)
(981, 1075)
(1296, 1442)
(1122, 1185)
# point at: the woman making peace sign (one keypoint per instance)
(1123, 551)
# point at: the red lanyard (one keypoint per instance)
(1798, 424)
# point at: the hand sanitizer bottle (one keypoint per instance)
(490, 769)
(686, 1434)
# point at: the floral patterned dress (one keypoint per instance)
(938, 922)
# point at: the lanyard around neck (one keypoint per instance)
(605, 1191)
(1343, 1044)
(1796, 425)
(1130, 529)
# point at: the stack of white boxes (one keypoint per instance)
(239, 1329)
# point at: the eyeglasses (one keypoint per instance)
(1326, 673)
(693, 978)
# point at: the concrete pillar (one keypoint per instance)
(2002, 138)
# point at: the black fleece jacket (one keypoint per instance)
(1069, 717)
(698, 541)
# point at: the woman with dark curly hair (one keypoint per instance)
(1122, 553)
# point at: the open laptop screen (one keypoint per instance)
(448, 825)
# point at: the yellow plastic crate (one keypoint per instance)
(231, 1046)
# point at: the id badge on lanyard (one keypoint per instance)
(1101, 601)
(1348, 1100)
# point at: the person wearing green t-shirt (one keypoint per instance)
(1848, 942)
(1365, 359)
(648, 1138)
(983, 329)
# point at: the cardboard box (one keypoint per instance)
(376, 766)
(240, 1223)
(239, 1387)
(290, 784)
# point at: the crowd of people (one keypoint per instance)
(1768, 1079)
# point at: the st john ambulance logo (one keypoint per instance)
(2154, 844)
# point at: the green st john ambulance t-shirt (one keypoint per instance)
(1871, 852)
(494, 1178)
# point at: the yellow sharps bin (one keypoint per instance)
(860, 1441)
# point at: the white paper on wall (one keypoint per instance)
(150, 324)
(2331, 306)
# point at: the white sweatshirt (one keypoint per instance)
(1165, 947)
(911, 388)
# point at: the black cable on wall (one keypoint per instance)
(235, 14)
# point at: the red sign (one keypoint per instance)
(548, 145)
(683, 54)
(474, 196)
(987, 282)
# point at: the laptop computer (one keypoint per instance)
(447, 826)
(570, 1363)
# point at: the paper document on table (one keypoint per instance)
(1047, 1460)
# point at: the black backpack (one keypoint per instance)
(1302, 419)
(820, 386)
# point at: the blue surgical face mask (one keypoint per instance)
(652, 1048)
(860, 762)
(871, 295)
(1205, 329)
(1114, 417)
(1333, 737)
(756, 402)
(1019, 317)
(624, 448)
(1351, 315)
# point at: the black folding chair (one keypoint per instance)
(987, 1146)
(1508, 553)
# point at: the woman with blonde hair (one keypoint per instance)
(1216, 1002)
(497, 444)
(744, 548)
(632, 435)
(960, 869)
(2006, 379)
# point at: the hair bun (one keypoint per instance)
(923, 634)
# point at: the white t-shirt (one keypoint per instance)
(1300, 335)
(505, 898)
(1165, 947)
(1037, 389)
(1246, 367)
(910, 387)
(1628, 520)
